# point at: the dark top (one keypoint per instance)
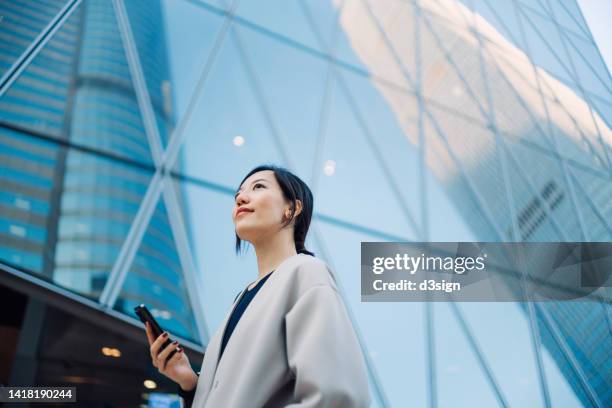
(244, 301)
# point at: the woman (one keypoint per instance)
(294, 345)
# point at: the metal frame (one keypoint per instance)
(36, 46)
(572, 74)
(130, 246)
(140, 86)
(569, 355)
(499, 140)
(484, 365)
(177, 137)
(586, 97)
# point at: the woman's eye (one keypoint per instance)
(258, 184)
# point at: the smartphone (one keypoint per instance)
(145, 316)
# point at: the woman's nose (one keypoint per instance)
(241, 199)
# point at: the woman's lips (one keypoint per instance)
(243, 212)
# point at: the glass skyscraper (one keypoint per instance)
(70, 210)
(125, 127)
(526, 153)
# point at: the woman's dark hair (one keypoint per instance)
(293, 188)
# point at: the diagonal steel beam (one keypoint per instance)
(568, 354)
(178, 135)
(193, 283)
(139, 82)
(37, 45)
(476, 349)
(128, 249)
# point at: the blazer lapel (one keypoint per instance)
(213, 350)
(214, 346)
(224, 325)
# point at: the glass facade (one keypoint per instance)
(125, 128)
(78, 158)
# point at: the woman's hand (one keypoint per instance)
(177, 368)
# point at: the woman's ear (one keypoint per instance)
(298, 210)
(298, 207)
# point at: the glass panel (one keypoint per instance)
(285, 75)
(352, 181)
(501, 16)
(441, 80)
(572, 9)
(289, 19)
(149, 33)
(100, 199)
(27, 181)
(535, 6)
(589, 65)
(307, 25)
(461, 379)
(546, 173)
(79, 88)
(603, 108)
(568, 21)
(378, 32)
(393, 332)
(67, 212)
(391, 116)
(155, 278)
(21, 23)
(40, 96)
(507, 346)
(171, 73)
(516, 95)
(293, 87)
(534, 194)
(228, 129)
(346, 47)
(572, 320)
(545, 46)
(476, 150)
(594, 196)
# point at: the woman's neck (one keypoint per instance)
(273, 252)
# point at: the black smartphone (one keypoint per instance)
(145, 316)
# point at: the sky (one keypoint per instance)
(598, 14)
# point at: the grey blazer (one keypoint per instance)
(294, 346)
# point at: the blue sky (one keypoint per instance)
(598, 14)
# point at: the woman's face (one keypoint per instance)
(265, 206)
